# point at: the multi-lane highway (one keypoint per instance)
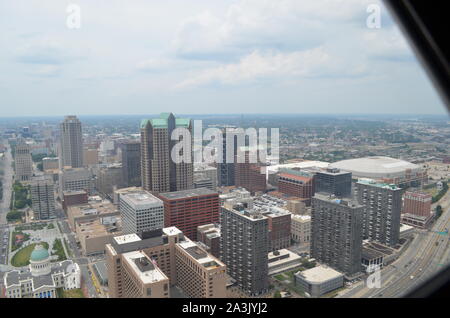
(428, 253)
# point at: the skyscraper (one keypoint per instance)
(71, 142)
(336, 233)
(225, 170)
(158, 170)
(43, 197)
(382, 208)
(131, 163)
(244, 248)
(22, 162)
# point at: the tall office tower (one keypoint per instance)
(189, 209)
(43, 197)
(141, 212)
(159, 173)
(183, 262)
(244, 248)
(382, 208)
(416, 208)
(225, 170)
(297, 184)
(22, 162)
(336, 233)
(248, 175)
(334, 181)
(131, 163)
(71, 142)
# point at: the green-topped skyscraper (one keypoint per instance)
(159, 172)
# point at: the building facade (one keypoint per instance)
(244, 248)
(159, 173)
(42, 278)
(43, 197)
(189, 209)
(382, 208)
(416, 210)
(23, 164)
(297, 184)
(183, 262)
(131, 163)
(71, 142)
(334, 181)
(336, 233)
(141, 212)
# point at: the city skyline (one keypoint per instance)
(225, 53)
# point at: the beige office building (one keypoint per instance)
(185, 264)
(301, 228)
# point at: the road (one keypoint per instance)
(7, 186)
(426, 255)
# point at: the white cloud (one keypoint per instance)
(276, 66)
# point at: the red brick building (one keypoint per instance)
(296, 186)
(74, 198)
(279, 229)
(188, 209)
(416, 209)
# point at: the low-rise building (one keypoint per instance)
(94, 234)
(90, 211)
(283, 260)
(319, 280)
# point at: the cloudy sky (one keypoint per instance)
(206, 56)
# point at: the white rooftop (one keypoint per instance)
(141, 199)
(127, 238)
(320, 274)
(172, 230)
(299, 217)
(149, 276)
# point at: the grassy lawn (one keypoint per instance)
(73, 293)
(22, 257)
(16, 245)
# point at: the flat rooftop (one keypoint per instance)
(140, 198)
(144, 268)
(319, 274)
(184, 194)
(200, 255)
(95, 228)
(374, 183)
(127, 238)
(93, 208)
(336, 200)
